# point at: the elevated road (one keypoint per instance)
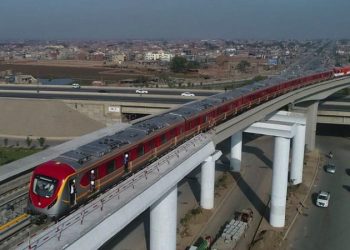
(103, 89)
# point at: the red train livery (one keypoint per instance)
(59, 185)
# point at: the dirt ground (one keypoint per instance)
(82, 73)
(41, 121)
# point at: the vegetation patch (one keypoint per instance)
(8, 155)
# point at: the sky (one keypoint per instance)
(174, 19)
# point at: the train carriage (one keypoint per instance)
(77, 175)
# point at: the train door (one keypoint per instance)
(72, 192)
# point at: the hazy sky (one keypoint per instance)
(174, 19)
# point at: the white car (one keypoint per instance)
(141, 91)
(323, 199)
(76, 86)
(330, 168)
(187, 94)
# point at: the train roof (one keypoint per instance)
(96, 149)
(204, 104)
(157, 122)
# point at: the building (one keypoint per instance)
(25, 79)
(159, 56)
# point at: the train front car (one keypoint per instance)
(46, 190)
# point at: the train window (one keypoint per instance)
(163, 139)
(152, 144)
(110, 167)
(44, 186)
(140, 151)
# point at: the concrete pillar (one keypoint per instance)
(163, 222)
(311, 122)
(296, 170)
(207, 183)
(236, 152)
(279, 182)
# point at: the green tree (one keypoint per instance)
(178, 64)
(28, 141)
(41, 141)
(242, 66)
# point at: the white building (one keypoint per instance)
(159, 56)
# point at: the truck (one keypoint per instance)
(234, 230)
(201, 244)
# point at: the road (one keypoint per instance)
(99, 97)
(252, 191)
(114, 90)
(327, 228)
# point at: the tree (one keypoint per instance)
(178, 64)
(28, 141)
(242, 66)
(41, 141)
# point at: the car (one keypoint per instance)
(141, 91)
(323, 199)
(102, 91)
(330, 168)
(76, 86)
(187, 94)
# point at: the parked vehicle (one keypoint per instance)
(234, 230)
(323, 199)
(201, 244)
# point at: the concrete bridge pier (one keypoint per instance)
(296, 169)
(299, 121)
(236, 152)
(283, 132)
(208, 180)
(163, 222)
(279, 181)
(311, 122)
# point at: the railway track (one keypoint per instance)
(13, 202)
(18, 230)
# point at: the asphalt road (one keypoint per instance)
(99, 97)
(327, 228)
(151, 91)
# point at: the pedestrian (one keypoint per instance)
(73, 193)
(126, 162)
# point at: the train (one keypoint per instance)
(71, 179)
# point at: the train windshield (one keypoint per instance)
(44, 186)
